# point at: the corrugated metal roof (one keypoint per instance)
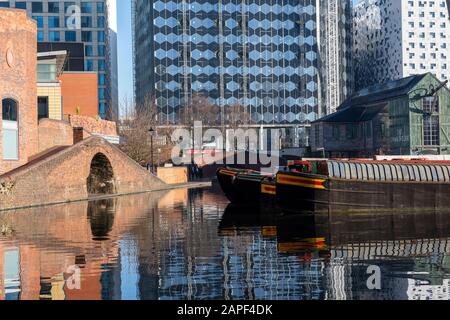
(355, 114)
(365, 104)
(381, 92)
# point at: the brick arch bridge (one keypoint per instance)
(64, 174)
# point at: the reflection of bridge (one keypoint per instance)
(45, 243)
(64, 174)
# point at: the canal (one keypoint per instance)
(191, 244)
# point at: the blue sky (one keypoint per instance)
(125, 49)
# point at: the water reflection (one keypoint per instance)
(190, 244)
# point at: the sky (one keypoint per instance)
(125, 50)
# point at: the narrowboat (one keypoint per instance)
(365, 186)
(245, 186)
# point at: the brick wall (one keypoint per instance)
(63, 176)
(18, 80)
(80, 94)
(175, 175)
(54, 133)
(94, 125)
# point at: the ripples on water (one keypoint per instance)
(190, 244)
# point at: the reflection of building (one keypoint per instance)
(422, 290)
(397, 39)
(92, 23)
(402, 117)
(287, 63)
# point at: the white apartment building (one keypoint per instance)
(394, 39)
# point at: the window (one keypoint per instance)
(336, 132)
(86, 36)
(101, 79)
(54, 36)
(40, 36)
(10, 139)
(42, 107)
(46, 72)
(431, 104)
(71, 36)
(21, 5)
(431, 121)
(86, 7)
(101, 36)
(86, 22)
(36, 7)
(53, 7)
(53, 22)
(9, 110)
(101, 50)
(100, 7)
(39, 21)
(431, 130)
(88, 51)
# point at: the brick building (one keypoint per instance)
(18, 119)
(80, 94)
(33, 88)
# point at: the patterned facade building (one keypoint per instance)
(397, 39)
(287, 62)
(92, 23)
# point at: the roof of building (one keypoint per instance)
(60, 58)
(368, 102)
(385, 91)
(355, 114)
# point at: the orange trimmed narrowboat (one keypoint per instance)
(365, 186)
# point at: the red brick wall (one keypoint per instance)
(18, 34)
(54, 133)
(79, 90)
(63, 176)
(93, 125)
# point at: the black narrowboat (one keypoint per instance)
(365, 186)
(241, 186)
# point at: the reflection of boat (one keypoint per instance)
(245, 186)
(246, 217)
(365, 186)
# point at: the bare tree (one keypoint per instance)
(134, 126)
(201, 109)
(236, 116)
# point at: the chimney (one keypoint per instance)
(78, 134)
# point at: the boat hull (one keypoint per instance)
(306, 193)
(240, 188)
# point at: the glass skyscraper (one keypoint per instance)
(96, 27)
(286, 61)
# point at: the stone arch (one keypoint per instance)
(101, 180)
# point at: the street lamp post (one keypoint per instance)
(151, 131)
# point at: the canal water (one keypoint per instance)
(191, 244)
